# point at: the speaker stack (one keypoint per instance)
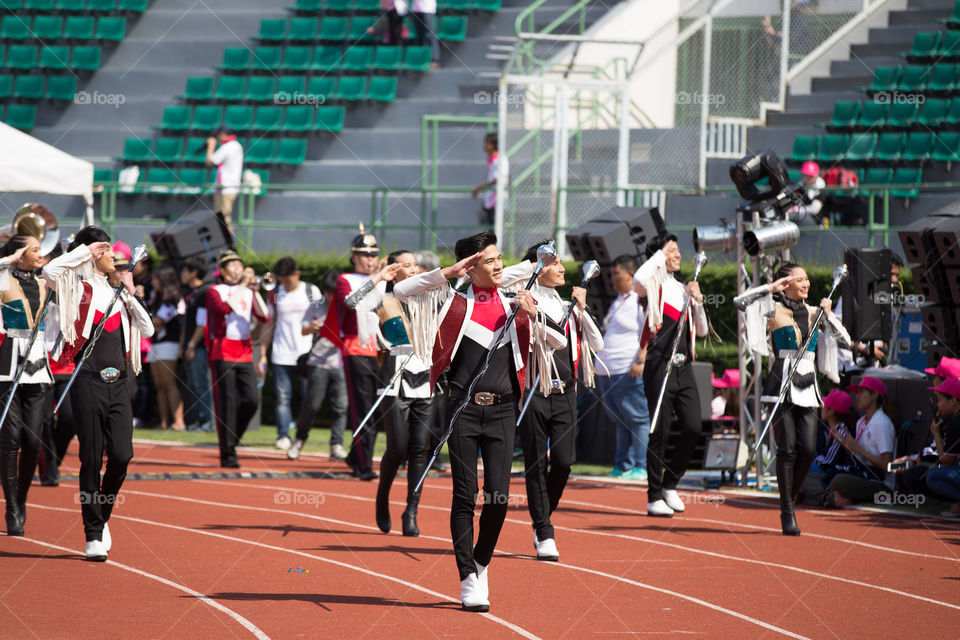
(866, 294)
(930, 246)
(197, 234)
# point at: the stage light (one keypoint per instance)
(721, 238)
(750, 170)
(776, 236)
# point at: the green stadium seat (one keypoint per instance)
(925, 46)
(193, 181)
(953, 22)
(39, 6)
(260, 89)
(366, 6)
(487, 5)
(877, 175)
(932, 111)
(844, 116)
(914, 78)
(382, 88)
(132, 6)
(3, 54)
(15, 27)
(102, 175)
(273, 30)
(165, 178)
(889, 147)
(268, 119)
(261, 151)
(296, 59)
(21, 116)
(79, 28)
(61, 88)
(325, 58)
(54, 58)
(11, 5)
(195, 150)
(333, 29)
(235, 59)
(946, 147)
(168, 150)
(322, 86)
(359, 26)
(291, 151)
(198, 90)
(21, 57)
(298, 119)
(206, 118)
(417, 58)
(860, 149)
(452, 28)
(949, 46)
(832, 147)
(906, 177)
(6, 87)
(357, 59)
(136, 150)
(329, 119)
(28, 88)
(101, 6)
(951, 119)
(884, 79)
(71, 6)
(238, 117)
(85, 58)
(290, 85)
(902, 115)
(175, 119)
(339, 6)
(454, 6)
(872, 114)
(943, 78)
(266, 59)
(230, 89)
(388, 58)
(47, 27)
(112, 29)
(804, 148)
(919, 147)
(303, 29)
(351, 88)
(307, 6)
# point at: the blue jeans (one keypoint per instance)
(283, 377)
(945, 482)
(198, 380)
(626, 404)
(324, 381)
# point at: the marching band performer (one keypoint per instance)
(780, 308)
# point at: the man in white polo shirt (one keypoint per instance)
(228, 160)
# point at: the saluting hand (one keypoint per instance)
(461, 268)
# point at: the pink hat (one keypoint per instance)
(950, 386)
(810, 168)
(123, 248)
(870, 383)
(947, 368)
(839, 401)
(731, 378)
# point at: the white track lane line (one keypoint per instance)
(246, 624)
(509, 625)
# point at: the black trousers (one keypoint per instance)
(407, 422)
(58, 430)
(683, 400)
(363, 378)
(552, 418)
(235, 404)
(795, 432)
(20, 441)
(488, 431)
(104, 419)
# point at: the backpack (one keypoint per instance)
(302, 369)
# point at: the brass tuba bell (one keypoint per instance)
(37, 221)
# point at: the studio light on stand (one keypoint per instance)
(776, 236)
(720, 238)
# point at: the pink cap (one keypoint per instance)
(810, 168)
(730, 378)
(123, 248)
(950, 386)
(839, 401)
(947, 368)
(870, 383)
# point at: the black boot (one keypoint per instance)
(417, 465)
(383, 506)
(788, 523)
(8, 478)
(28, 465)
(409, 518)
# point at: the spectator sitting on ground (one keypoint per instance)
(836, 415)
(727, 401)
(944, 481)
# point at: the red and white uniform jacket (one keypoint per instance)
(343, 326)
(230, 313)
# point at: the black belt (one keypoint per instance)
(485, 399)
(103, 375)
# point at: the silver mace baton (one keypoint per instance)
(546, 254)
(590, 271)
(699, 261)
(139, 253)
(383, 393)
(839, 275)
(26, 355)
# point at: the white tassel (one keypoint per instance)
(69, 287)
(542, 359)
(423, 311)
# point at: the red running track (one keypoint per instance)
(212, 558)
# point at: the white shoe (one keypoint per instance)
(471, 598)
(482, 581)
(96, 551)
(337, 452)
(294, 451)
(106, 538)
(546, 549)
(673, 500)
(283, 443)
(659, 509)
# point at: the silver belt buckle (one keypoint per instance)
(110, 374)
(483, 399)
(679, 359)
(557, 386)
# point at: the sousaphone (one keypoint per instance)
(35, 220)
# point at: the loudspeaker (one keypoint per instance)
(619, 231)
(939, 324)
(951, 284)
(915, 241)
(927, 283)
(610, 240)
(578, 240)
(944, 236)
(866, 294)
(196, 234)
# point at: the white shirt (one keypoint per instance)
(623, 325)
(289, 311)
(496, 167)
(229, 161)
(238, 322)
(877, 437)
(424, 6)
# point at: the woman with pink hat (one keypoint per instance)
(727, 400)
(944, 480)
(808, 212)
(778, 314)
(838, 415)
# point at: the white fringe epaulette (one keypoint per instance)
(587, 367)
(541, 357)
(69, 287)
(423, 310)
(651, 275)
(368, 322)
(829, 343)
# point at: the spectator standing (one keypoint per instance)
(228, 159)
(192, 275)
(497, 165)
(167, 309)
(424, 19)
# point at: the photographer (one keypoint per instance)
(228, 159)
(808, 212)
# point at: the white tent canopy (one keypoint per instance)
(32, 166)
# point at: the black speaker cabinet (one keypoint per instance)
(196, 234)
(944, 236)
(867, 295)
(927, 283)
